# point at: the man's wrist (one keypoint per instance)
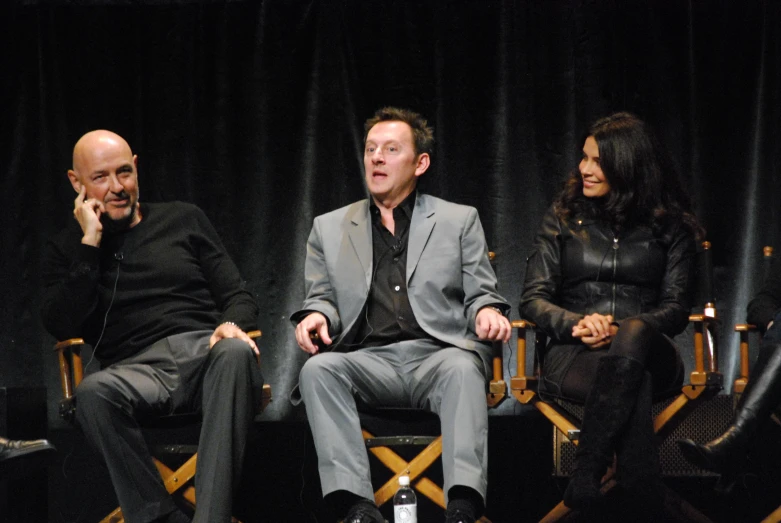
(92, 241)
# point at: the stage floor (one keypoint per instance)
(280, 482)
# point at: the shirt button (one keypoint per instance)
(397, 287)
(395, 259)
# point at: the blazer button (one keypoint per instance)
(397, 288)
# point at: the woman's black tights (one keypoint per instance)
(636, 340)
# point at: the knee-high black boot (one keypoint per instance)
(763, 394)
(608, 406)
(637, 458)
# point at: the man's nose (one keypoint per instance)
(114, 184)
(377, 157)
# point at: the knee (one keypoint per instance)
(232, 351)
(635, 329)
(315, 372)
(96, 394)
(463, 365)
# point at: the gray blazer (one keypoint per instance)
(449, 277)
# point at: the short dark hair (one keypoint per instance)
(422, 133)
(644, 185)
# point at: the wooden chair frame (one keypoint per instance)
(705, 381)
(178, 481)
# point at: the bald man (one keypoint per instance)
(152, 289)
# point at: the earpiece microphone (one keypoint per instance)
(119, 256)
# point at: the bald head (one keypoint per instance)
(97, 144)
(104, 170)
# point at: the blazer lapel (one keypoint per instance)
(360, 238)
(421, 225)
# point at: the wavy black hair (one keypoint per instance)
(645, 188)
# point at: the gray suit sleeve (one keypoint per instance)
(319, 293)
(479, 279)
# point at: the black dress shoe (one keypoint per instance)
(458, 516)
(21, 455)
(11, 449)
(364, 512)
(460, 511)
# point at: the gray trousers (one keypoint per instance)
(447, 381)
(176, 374)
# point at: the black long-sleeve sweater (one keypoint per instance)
(171, 273)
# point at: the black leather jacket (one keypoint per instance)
(578, 267)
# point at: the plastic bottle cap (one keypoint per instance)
(404, 481)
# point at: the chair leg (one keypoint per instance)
(774, 517)
(414, 469)
(173, 480)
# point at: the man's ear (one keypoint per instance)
(422, 164)
(74, 179)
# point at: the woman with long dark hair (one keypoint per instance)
(609, 282)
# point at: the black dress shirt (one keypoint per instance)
(388, 316)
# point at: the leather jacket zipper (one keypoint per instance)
(615, 260)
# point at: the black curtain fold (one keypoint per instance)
(254, 111)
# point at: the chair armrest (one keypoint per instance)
(71, 366)
(497, 388)
(522, 386)
(521, 347)
(266, 395)
(743, 330)
(705, 326)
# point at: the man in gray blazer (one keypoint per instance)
(400, 290)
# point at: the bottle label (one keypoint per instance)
(405, 513)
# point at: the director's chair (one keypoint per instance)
(705, 381)
(71, 370)
(740, 383)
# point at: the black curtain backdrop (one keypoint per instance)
(254, 111)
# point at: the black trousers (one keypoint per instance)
(176, 374)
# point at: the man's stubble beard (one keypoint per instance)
(110, 225)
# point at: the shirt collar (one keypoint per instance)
(406, 206)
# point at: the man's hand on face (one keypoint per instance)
(492, 325)
(312, 322)
(87, 212)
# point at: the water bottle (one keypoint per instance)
(405, 504)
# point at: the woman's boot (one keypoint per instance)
(726, 453)
(609, 405)
(637, 458)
